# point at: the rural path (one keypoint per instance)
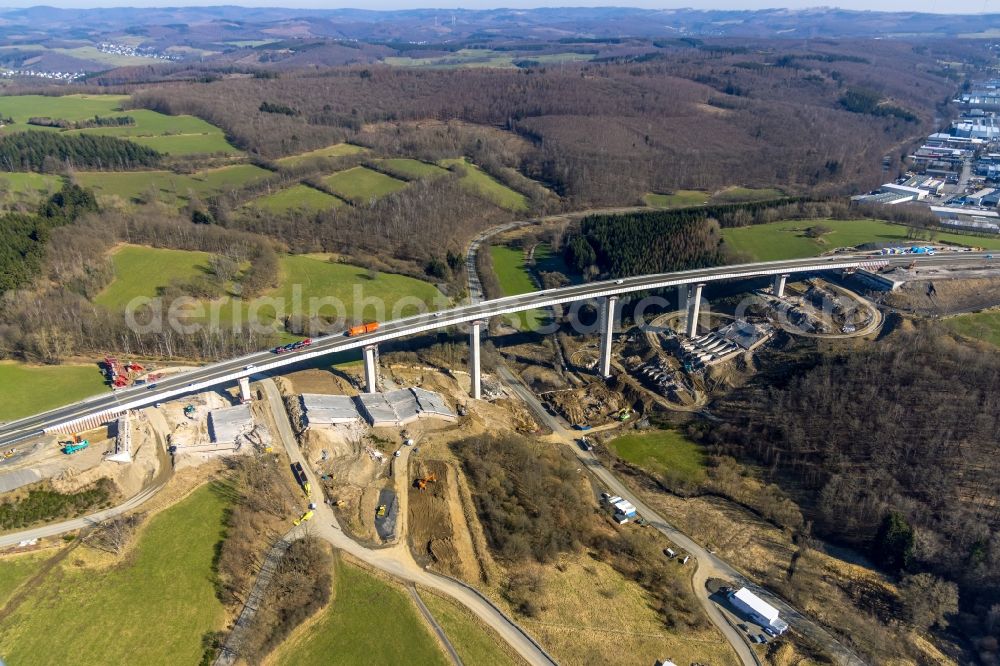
(397, 560)
(154, 486)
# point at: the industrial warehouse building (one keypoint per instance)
(757, 610)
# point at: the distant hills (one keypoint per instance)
(228, 22)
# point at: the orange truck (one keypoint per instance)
(361, 329)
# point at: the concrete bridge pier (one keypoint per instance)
(475, 364)
(607, 331)
(245, 389)
(779, 285)
(370, 353)
(693, 309)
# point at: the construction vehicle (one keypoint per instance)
(361, 329)
(624, 414)
(70, 448)
(421, 483)
(189, 411)
(380, 513)
(9, 453)
(304, 517)
(300, 476)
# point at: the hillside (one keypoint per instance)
(905, 427)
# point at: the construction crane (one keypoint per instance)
(421, 483)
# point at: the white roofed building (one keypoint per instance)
(757, 609)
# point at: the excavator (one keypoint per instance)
(421, 483)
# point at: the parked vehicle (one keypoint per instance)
(70, 448)
(304, 517)
(361, 329)
(770, 632)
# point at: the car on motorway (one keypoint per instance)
(249, 367)
(150, 386)
(989, 256)
(619, 281)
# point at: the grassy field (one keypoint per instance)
(188, 144)
(172, 188)
(14, 571)
(679, 199)
(664, 452)
(411, 169)
(152, 608)
(68, 107)
(171, 135)
(980, 325)
(488, 187)
(28, 389)
(27, 188)
(473, 643)
(336, 150)
(144, 271)
(369, 621)
(361, 184)
(512, 273)
(740, 194)
(787, 239)
(296, 197)
(321, 278)
(591, 614)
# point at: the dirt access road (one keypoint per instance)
(397, 560)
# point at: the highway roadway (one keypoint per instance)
(229, 371)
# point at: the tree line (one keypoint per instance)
(49, 151)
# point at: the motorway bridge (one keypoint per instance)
(99, 409)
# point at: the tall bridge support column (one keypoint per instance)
(245, 389)
(475, 365)
(607, 330)
(371, 368)
(779, 285)
(693, 309)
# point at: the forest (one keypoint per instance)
(608, 132)
(53, 151)
(889, 448)
(643, 243)
(24, 237)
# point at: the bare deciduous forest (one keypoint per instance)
(693, 117)
(890, 448)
